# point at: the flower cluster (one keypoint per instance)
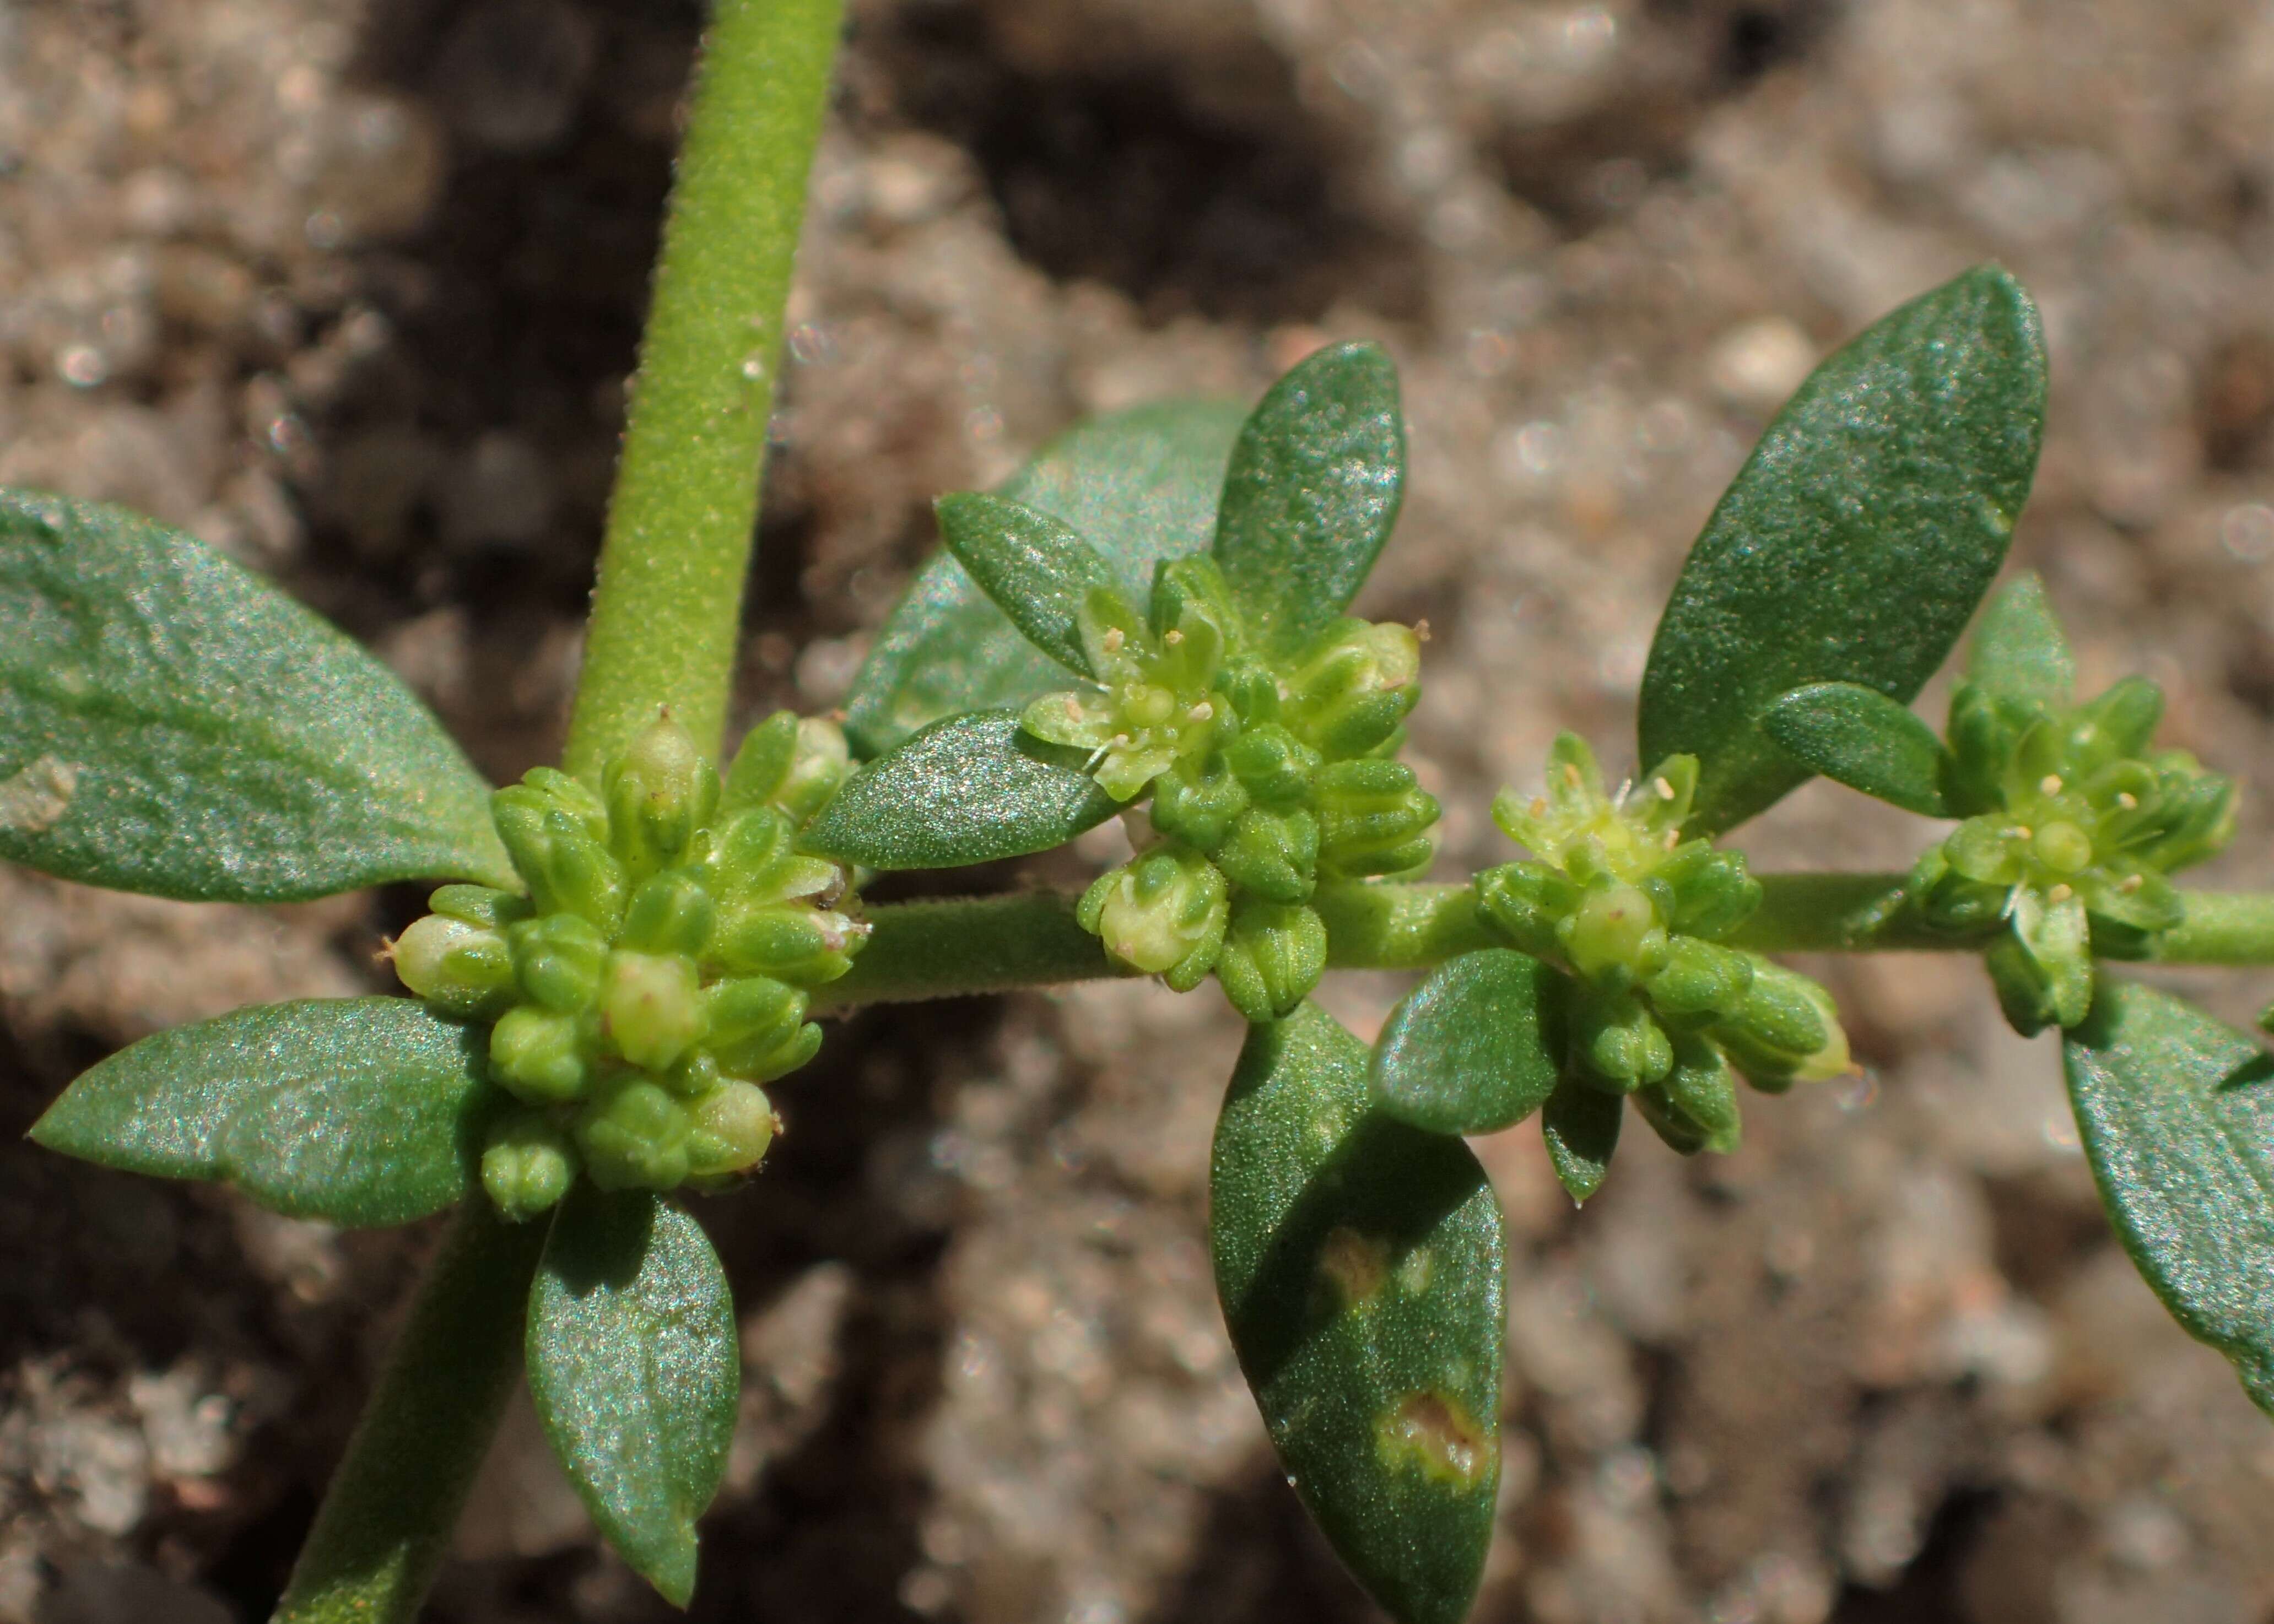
(2070, 826)
(1266, 776)
(658, 970)
(1657, 1008)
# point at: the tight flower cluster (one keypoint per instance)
(2071, 825)
(658, 969)
(1266, 777)
(1657, 1008)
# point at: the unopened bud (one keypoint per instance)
(528, 1166)
(541, 1056)
(791, 943)
(558, 960)
(659, 792)
(818, 768)
(459, 968)
(1274, 765)
(1274, 855)
(670, 913)
(731, 1126)
(1198, 803)
(634, 1137)
(1163, 914)
(762, 765)
(1272, 957)
(1786, 1030)
(756, 1024)
(651, 1007)
(1613, 935)
(1618, 1040)
(480, 904)
(1700, 978)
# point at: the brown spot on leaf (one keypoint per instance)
(1432, 1430)
(35, 801)
(1356, 1265)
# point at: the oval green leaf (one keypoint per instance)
(635, 1373)
(1139, 486)
(1361, 1264)
(1473, 1048)
(170, 723)
(1038, 572)
(1312, 492)
(1856, 541)
(2019, 650)
(2176, 1111)
(1858, 736)
(968, 790)
(359, 1111)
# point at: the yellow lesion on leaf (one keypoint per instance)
(1433, 1430)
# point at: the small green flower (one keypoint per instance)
(659, 970)
(1656, 1007)
(2071, 822)
(1164, 913)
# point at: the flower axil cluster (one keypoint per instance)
(1266, 778)
(1656, 1007)
(2071, 823)
(656, 973)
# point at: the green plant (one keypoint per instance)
(1150, 621)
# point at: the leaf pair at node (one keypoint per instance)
(2070, 821)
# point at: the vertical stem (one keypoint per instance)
(667, 605)
(388, 1517)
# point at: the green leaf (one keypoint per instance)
(1580, 1123)
(2177, 1122)
(171, 723)
(1858, 736)
(1858, 540)
(635, 1373)
(1038, 572)
(2019, 649)
(359, 1111)
(1313, 489)
(1473, 1049)
(1139, 486)
(1360, 1262)
(968, 790)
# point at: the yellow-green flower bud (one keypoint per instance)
(558, 960)
(733, 1125)
(1614, 936)
(1618, 1041)
(1274, 766)
(670, 913)
(762, 765)
(756, 1024)
(1197, 802)
(459, 968)
(651, 1007)
(635, 1136)
(568, 870)
(541, 1056)
(1273, 956)
(659, 792)
(818, 770)
(1700, 978)
(527, 1165)
(564, 793)
(1273, 854)
(1373, 820)
(1786, 1030)
(1349, 695)
(810, 946)
(1163, 914)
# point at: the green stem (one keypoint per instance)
(386, 1519)
(981, 945)
(666, 609)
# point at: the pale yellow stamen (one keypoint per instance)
(2131, 882)
(1665, 790)
(1538, 806)
(1572, 775)
(1172, 637)
(1421, 630)
(2022, 832)
(2059, 893)
(1202, 711)
(1113, 640)
(2050, 783)
(2129, 802)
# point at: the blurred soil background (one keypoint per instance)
(351, 291)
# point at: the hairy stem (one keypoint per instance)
(668, 606)
(388, 1517)
(979, 944)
